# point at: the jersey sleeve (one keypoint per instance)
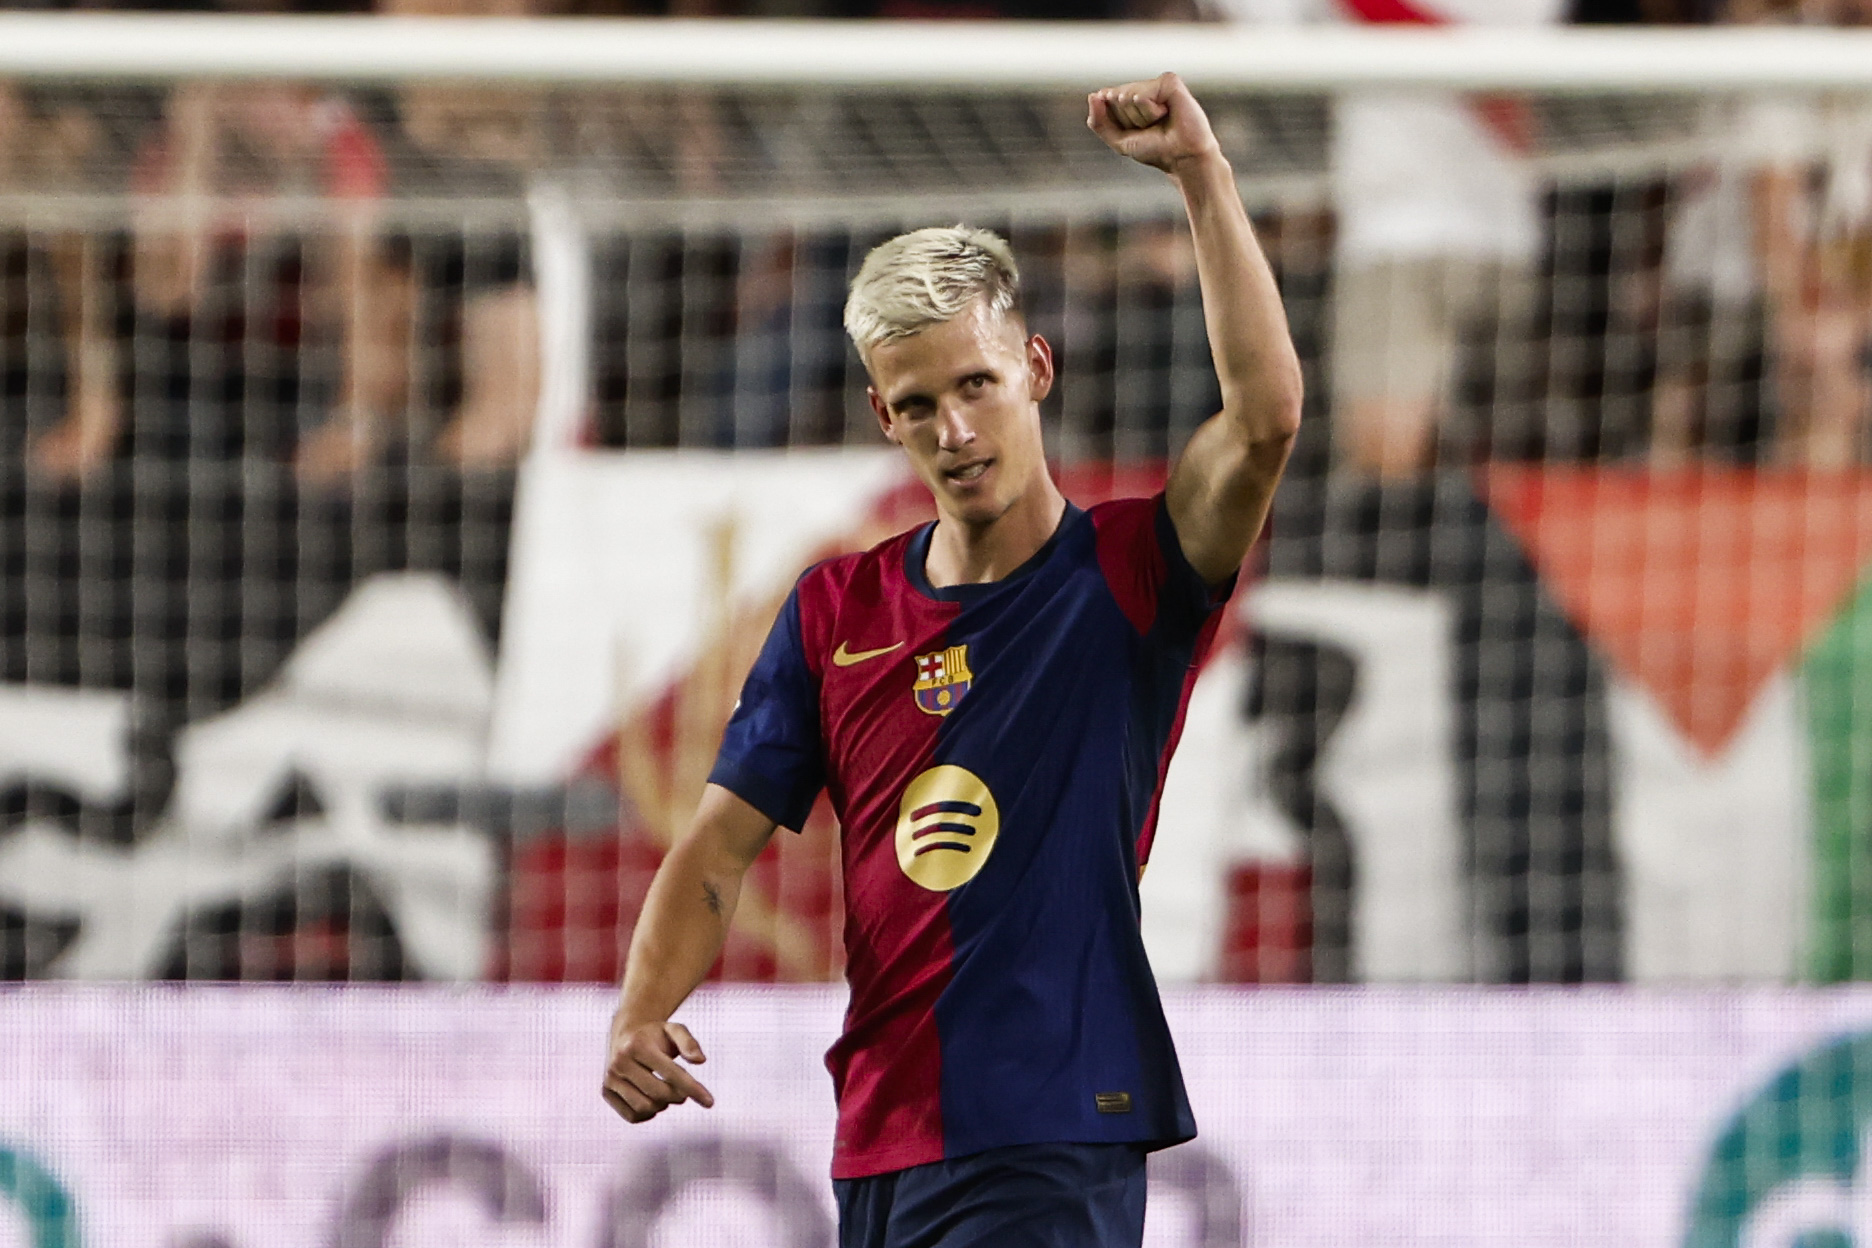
(771, 753)
(1150, 576)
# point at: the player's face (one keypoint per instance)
(963, 400)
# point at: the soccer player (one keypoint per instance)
(991, 701)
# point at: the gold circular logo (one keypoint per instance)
(946, 827)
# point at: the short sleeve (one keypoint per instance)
(1148, 573)
(771, 755)
(1185, 600)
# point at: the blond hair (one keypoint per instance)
(926, 277)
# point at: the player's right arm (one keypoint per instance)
(767, 775)
(1222, 485)
(679, 935)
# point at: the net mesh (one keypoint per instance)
(271, 356)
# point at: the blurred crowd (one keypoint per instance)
(1738, 324)
(238, 186)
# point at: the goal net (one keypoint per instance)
(407, 433)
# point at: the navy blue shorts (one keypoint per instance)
(1028, 1196)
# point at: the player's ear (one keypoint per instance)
(882, 412)
(1039, 368)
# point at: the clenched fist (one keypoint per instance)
(642, 1078)
(1156, 123)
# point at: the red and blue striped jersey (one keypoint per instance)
(995, 755)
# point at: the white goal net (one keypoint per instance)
(407, 431)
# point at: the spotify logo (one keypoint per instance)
(946, 827)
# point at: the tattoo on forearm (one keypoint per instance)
(711, 897)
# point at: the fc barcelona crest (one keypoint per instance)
(943, 676)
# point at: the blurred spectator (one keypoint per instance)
(787, 349)
(218, 180)
(1769, 264)
(48, 149)
(1708, 392)
(1438, 233)
(236, 166)
(489, 138)
(1815, 233)
(259, 148)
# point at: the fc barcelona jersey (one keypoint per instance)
(995, 755)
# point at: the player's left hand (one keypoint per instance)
(1156, 123)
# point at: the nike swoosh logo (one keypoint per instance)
(845, 658)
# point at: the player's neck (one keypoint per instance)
(965, 554)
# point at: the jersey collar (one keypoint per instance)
(916, 555)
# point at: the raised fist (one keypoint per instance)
(1156, 123)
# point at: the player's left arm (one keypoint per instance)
(1221, 488)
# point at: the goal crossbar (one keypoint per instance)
(921, 56)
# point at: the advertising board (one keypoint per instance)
(362, 1117)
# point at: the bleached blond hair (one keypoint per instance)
(926, 277)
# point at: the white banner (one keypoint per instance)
(295, 1118)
